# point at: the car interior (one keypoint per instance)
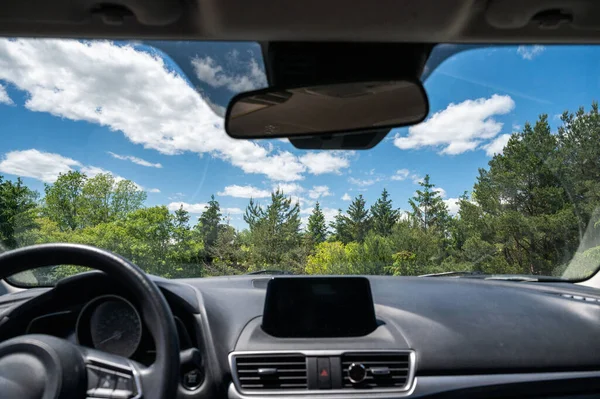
(119, 332)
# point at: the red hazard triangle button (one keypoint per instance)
(324, 373)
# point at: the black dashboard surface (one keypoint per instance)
(457, 327)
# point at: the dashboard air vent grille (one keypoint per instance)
(383, 370)
(271, 372)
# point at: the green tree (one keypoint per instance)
(358, 219)
(275, 233)
(227, 253)
(126, 198)
(63, 200)
(340, 229)
(75, 201)
(328, 258)
(18, 211)
(208, 223)
(428, 208)
(384, 216)
(525, 200)
(317, 228)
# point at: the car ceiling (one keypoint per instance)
(423, 21)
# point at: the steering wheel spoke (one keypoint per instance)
(114, 377)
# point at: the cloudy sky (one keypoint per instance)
(151, 113)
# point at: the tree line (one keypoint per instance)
(533, 210)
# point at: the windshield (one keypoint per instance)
(121, 146)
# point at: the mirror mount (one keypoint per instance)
(348, 141)
(296, 64)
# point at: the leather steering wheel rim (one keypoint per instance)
(154, 308)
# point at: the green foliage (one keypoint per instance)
(18, 211)
(384, 216)
(275, 239)
(317, 228)
(341, 231)
(429, 210)
(63, 200)
(75, 201)
(208, 223)
(357, 221)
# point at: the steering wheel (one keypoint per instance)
(43, 367)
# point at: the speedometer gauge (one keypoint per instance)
(114, 325)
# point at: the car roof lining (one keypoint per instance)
(423, 21)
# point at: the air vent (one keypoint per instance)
(271, 372)
(379, 370)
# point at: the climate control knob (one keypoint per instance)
(357, 373)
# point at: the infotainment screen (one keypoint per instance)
(312, 307)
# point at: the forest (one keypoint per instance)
(533, 210)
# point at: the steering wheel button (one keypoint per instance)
(107, 381)
(124, 384)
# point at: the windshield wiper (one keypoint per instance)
(274, 272)
(541, 279)
(459, 273)
(502, 277)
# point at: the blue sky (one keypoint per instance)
(140, 114)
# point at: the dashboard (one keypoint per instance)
(432, 337)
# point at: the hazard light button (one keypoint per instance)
(323, 373)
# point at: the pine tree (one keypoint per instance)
(18, 210)
(275, 231)
(339, 229)
(208, 223)
(429, 210)
(317, 229)
(384, 216)
(180, 224)
(358, 219)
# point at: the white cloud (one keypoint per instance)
(497, 145)
(44, 166)
(244, 192)
(453, 205)
(208, 71)
(319, 163)
(288, 188)
(346, 197)
(363, 182)
(440, 191)
(136, 160)
(4, 98)
(530, 52)
(460, 127)
(401, 174)
(319, 192)
(133, 92)
(191, 208)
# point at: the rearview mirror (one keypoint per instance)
(326, 109)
